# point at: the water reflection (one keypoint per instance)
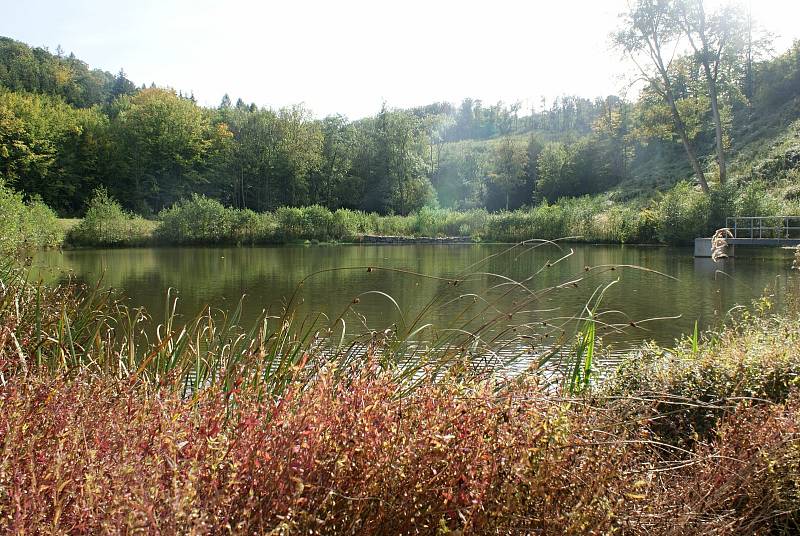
(269, 276)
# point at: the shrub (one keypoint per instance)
(318, 223)
(249, 227)
(347, 224)
(470, 223)
(201, 220)
(745, 481)
(107, 224)
(755, 200)
(682, 214)
(618, 224)
(290, 223)
(41, 225)
(26, 225)
(426, 222)
(758, 361)
(722, 204)
(195, 221)
(394, 225)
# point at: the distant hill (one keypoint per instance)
(34, 69)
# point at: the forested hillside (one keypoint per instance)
(66, 129)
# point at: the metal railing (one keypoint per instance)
(774, 227)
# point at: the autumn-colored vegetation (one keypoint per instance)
(209, 428)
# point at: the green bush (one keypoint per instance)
(196, 220)
(347, 224)
(394, 225)
(755, 362)
(426, 221)
(755, 200)
(201, 220)
(26, 225)
(623, 224)
(107, 224)
(249, 227)
(682, 214)
(542, 222)
(318, 224)
(448, 222)
(721, 205)
(290, 223)
(41, 225)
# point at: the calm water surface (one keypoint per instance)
(701, 290)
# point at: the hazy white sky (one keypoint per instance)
(348, 56)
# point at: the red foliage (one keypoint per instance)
(92, 454)
(100, 455)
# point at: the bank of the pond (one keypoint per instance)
(111, 431)
(675, 217)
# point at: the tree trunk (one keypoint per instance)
(687, 146)
(712, 93)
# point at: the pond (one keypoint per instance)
(660, 294)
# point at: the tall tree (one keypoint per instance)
(50, 148)
(534, 150)
(336, 162)
(393, 163)
(163, 143)
(611, 127)
(256, 134)
(712, 38)
(508, 166)
(649, 30)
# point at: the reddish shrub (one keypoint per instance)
(90, 456)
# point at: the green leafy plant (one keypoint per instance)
(107, 224)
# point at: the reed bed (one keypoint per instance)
(113, 421)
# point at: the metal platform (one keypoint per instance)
(756, 231)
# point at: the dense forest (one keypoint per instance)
(66, 129)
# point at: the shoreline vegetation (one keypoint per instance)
(677, 217)
(207, 426)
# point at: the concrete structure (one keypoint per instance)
(702, 246)
(757, 231)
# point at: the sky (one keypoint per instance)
(350, 56)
